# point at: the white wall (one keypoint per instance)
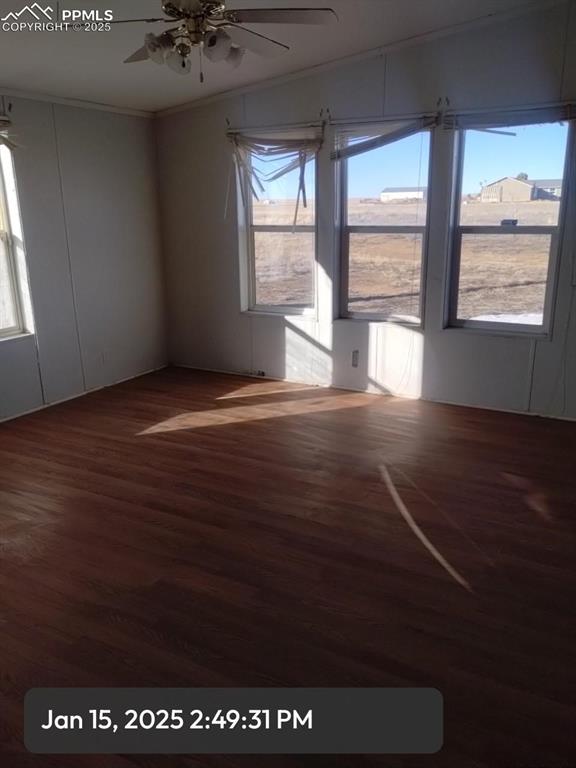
(88, 200)
(528, 60)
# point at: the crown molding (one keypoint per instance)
(81, 103)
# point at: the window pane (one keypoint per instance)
(384, 274)
(514, 177)
(8, 316)
(277, 204)
(503, 278)
(284, 268)
(388, 186)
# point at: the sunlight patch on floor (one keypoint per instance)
(248, 413)
(264, 388)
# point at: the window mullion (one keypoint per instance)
(383, 229)
(473, 229)
(286, 228)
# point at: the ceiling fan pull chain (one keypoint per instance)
(201, 51)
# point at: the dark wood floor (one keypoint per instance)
(191, 529)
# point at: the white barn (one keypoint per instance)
(390, 194)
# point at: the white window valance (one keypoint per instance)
(288, 151)
(5, 124)
(355, 142)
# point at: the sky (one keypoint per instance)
(537, 150)
(286, 187)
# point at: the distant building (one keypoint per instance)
(552, 188)
(514, 190)
(403, 193)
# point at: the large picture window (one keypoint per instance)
(384, 215)
(506, 235)
(10, 312)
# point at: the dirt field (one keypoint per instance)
(501, 275)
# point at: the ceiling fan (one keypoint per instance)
(217, 33)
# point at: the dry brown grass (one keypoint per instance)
(499, 274)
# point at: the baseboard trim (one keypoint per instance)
(247, 375)
(82, 394)
(240, 374)
(534, 414)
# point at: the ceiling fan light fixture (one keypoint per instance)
(158, 47)
(235, 56)
(217, 45)
(178, 63)
(218, 34)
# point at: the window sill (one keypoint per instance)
(513, 332)
(310, 314)
(15, 336)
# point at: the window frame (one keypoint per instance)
(346, 230)
(14, 286)
(555, 232)
(251, 229)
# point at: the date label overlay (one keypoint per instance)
(233, 720)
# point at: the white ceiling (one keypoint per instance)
(88, 66)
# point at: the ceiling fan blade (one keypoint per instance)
(136, 21)
(140, 55)
(281, 16)
(254, 41)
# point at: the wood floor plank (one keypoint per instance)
(189, 528)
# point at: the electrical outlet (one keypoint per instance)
(355, 358)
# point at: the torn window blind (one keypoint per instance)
(509, 118)
(5, 124)
(265, 158)
(355, 142)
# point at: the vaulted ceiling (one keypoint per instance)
(88, 65)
